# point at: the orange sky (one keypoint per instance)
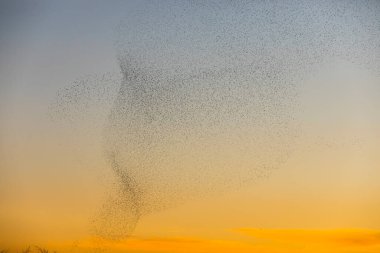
(54, 178)
(248, 240)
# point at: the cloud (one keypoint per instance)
(328, 237)
(259, 240)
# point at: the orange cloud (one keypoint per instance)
(259, 240)
(335, 237)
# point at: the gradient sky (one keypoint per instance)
(53, 178)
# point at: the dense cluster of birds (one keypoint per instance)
(207, 95)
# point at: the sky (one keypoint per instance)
(190, 126)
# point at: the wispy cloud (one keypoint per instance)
(333, 238)
(259, 240)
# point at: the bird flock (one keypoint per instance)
(207, 94)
